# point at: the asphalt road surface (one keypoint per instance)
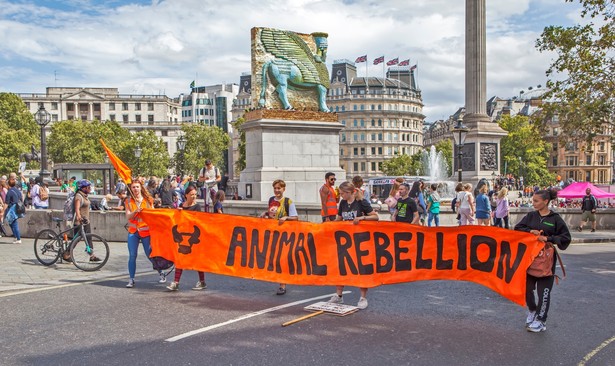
(233, 323)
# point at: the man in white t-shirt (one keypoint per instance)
(209, 176)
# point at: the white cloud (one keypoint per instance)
(161, 45)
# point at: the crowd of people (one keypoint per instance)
(417, 204)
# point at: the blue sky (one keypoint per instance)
(159, 47)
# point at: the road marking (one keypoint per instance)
(244, 317)
(595, 351)
(53, 287)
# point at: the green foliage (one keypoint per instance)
(203, 142)
(77, 141)
(582, 76)
(524, 141)
(18, 132)
(403, 165)
(446, 147)
(240, 164)
(154, 158)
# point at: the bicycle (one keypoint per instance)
(50, 246)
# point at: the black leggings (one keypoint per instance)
(543, 285)
(498, 221)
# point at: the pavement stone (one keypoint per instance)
(21, 270)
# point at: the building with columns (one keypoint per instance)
(382, 117)
(134, 112)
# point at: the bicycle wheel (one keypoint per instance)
(83, 251)
(47, 247)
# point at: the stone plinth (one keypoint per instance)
(298, 151)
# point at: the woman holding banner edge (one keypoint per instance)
(550, 228)
(351, 209)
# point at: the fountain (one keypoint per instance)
(435, 170)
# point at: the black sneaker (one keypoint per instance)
(593, 230)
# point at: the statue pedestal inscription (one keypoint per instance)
(298, 151)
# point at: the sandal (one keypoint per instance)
(281, 291)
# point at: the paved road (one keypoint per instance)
(63, 316)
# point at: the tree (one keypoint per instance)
(403, 165)
(154, 159)
(203, 142)
(584, 94)
(18, 132)
(77, 141)
(240, 164)
(523, 150)
(446, 148)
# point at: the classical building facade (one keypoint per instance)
(134, 112)
(383, 117)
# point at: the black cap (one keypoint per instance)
(207, 162)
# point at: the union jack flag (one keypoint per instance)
(393, 62)
(404, 63)
(361, 59)
(412, 68)
(379, 60)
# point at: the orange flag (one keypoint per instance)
(120, 167)
(339, 253)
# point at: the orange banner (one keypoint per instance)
(341, 253)
(120, 167)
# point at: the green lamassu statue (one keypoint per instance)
(288, 62)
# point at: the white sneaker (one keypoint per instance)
(200, 286)
(336, 299)
(362, 303)
(131, 283)
(174, 286)
(163, 278)
(530, 318)
(17, 241)
(536, 327)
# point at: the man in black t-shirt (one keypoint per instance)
(588, 207)
(406, 209)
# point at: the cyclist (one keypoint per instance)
(82, 210)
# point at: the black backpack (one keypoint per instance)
(20, 208)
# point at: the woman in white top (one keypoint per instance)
(466, 205)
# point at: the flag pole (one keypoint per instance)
(366, 77)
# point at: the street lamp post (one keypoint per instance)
(42, 118)
(138, 152)
(459, 134)
(181, 145)
(519, 177)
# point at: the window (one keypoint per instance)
(363, 166)
(112, 117)
(362, 107)
(150, 118)
(354, 123)
(362, 137)
(343, 137)
(380, 151)
(124, 117)
(373, 151)
(164, 133)
(588, 159)
(555, 146)
(111, 106)
(137, 106)
(380, 137)
(362, 123)
(355, 151)
(373, 166)
(54, 117)
(54, 106)
(555, 131)
(601, 146)
(355, 137)
(354, 107)
(362, 151)
(150, 106)
(555, 161)
(356, 166)
(601, 159)
(344, 122)
(341, 152)
(373, 137)
(571, 161)
(373, 123)
(373, 107)
(124, 106)
(138, 117)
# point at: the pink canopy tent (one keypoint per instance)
(577, 190)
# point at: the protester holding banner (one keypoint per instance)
(138, 230)
(550, 228)
(190, 204)
(282, 209)
(465, 205)
(354, 210)
(407, 210)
